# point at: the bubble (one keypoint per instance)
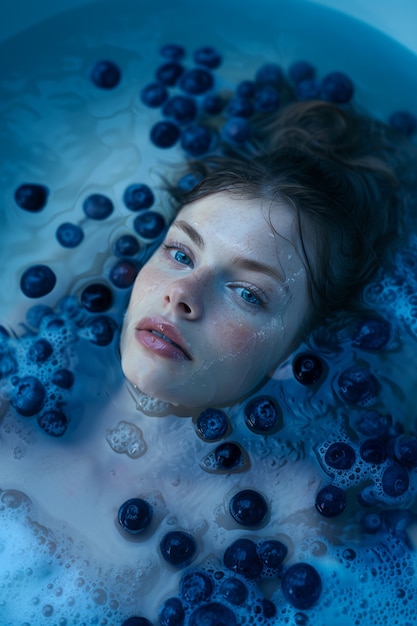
(126, 438)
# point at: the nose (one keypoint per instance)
(185, 297)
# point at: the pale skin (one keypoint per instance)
(219, 305)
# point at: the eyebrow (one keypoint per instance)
(191, 232)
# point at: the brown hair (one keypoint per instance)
(337, 168)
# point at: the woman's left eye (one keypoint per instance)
(181, 257)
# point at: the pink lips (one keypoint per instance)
(161, 337)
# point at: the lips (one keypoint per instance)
(162, 338)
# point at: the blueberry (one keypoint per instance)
(405, 451)
(96, 298)
(367, 496)
(126, 245)
(154, 95)
(373, 451)
(228, 455)
(97, 206)
(395, 480)
(63, 378)
(123, 274)
(188, 181)
(169, 73)
(234, 591)
(149, 224)
(268, 608)
(308, 89)
(40, 351)
(372, 334)
(196, 81)
(70, 307)
(262, 415)
(172, 51)
(100, 330)
(136, 621)
(207, 56)
(358, 386)
(212, 424)
(242, 558)
(196, 140)
(178, 548)
(135, 515)
(307, 368)
(53, 422)
(239, 107)
(404, 121)
(182, 109)
(212, 614)
(29, 396)
(212, 104)
(266, 99)
(69, 235)
(248, 507)
(246, 89)
(301, 585)
(336, 87)
(165, 134)
(105, 74)
(301, 70)
(196, 587)
(172, 613)
(340, 456)
(330, 501)
(272, 553)
(371, 423)
(236, 130)
(371, 523)
(8, 362)
(31, 197)
(270, 73)
(37, 281)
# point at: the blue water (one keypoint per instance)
(64, 559)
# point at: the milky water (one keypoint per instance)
(64, 557)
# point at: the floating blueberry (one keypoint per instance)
(246, 89)
(242, 558)
(135, 515)
(405, 450)
(40, 351)
(69, 235)
(330, 501)
(336, 87)
(340, 456)
(196, 140)
(182, 109)
(301, 585)
(154, 95)
(229, 455)
(8, 362)
(270, 73)
(372, 334)
(248, 507)
(123, 274)
(63, 378)
(236, 130)
(234, 591)
(100, 330)
(272, 553)
(395, 480)
(212, 104)
(178, 548)
(268, 608)
(138, 197)
(53, 422)
(196, 81)
(28, 396)
(301, 70)
(307, 368)
(239, 106)
(169, 73)
(96, 298)
(373, 451)
(188, 181)
(165, 134)
(172, 51)
(97, 206)
(371, 523)
(196, 587)
(207, 56)
(266, 99)
(212, 424)
(262, 415)
(126, 245)
(37, 281)
(105, 74)
(371, 423)
(358, 386)
(149, 224)
(172, 613)
(136, 621)
(31, 197)
(404, 121)
(308, 89)
(212, 614)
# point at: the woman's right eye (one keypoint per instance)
(178, 254)
(181, 257)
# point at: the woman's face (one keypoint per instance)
(219, 305)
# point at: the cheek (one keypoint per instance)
(238, 339)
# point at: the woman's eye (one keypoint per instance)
(181, 257)
(249, 296)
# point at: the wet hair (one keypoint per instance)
(337, 169)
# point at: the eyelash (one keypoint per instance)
(254, 291)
